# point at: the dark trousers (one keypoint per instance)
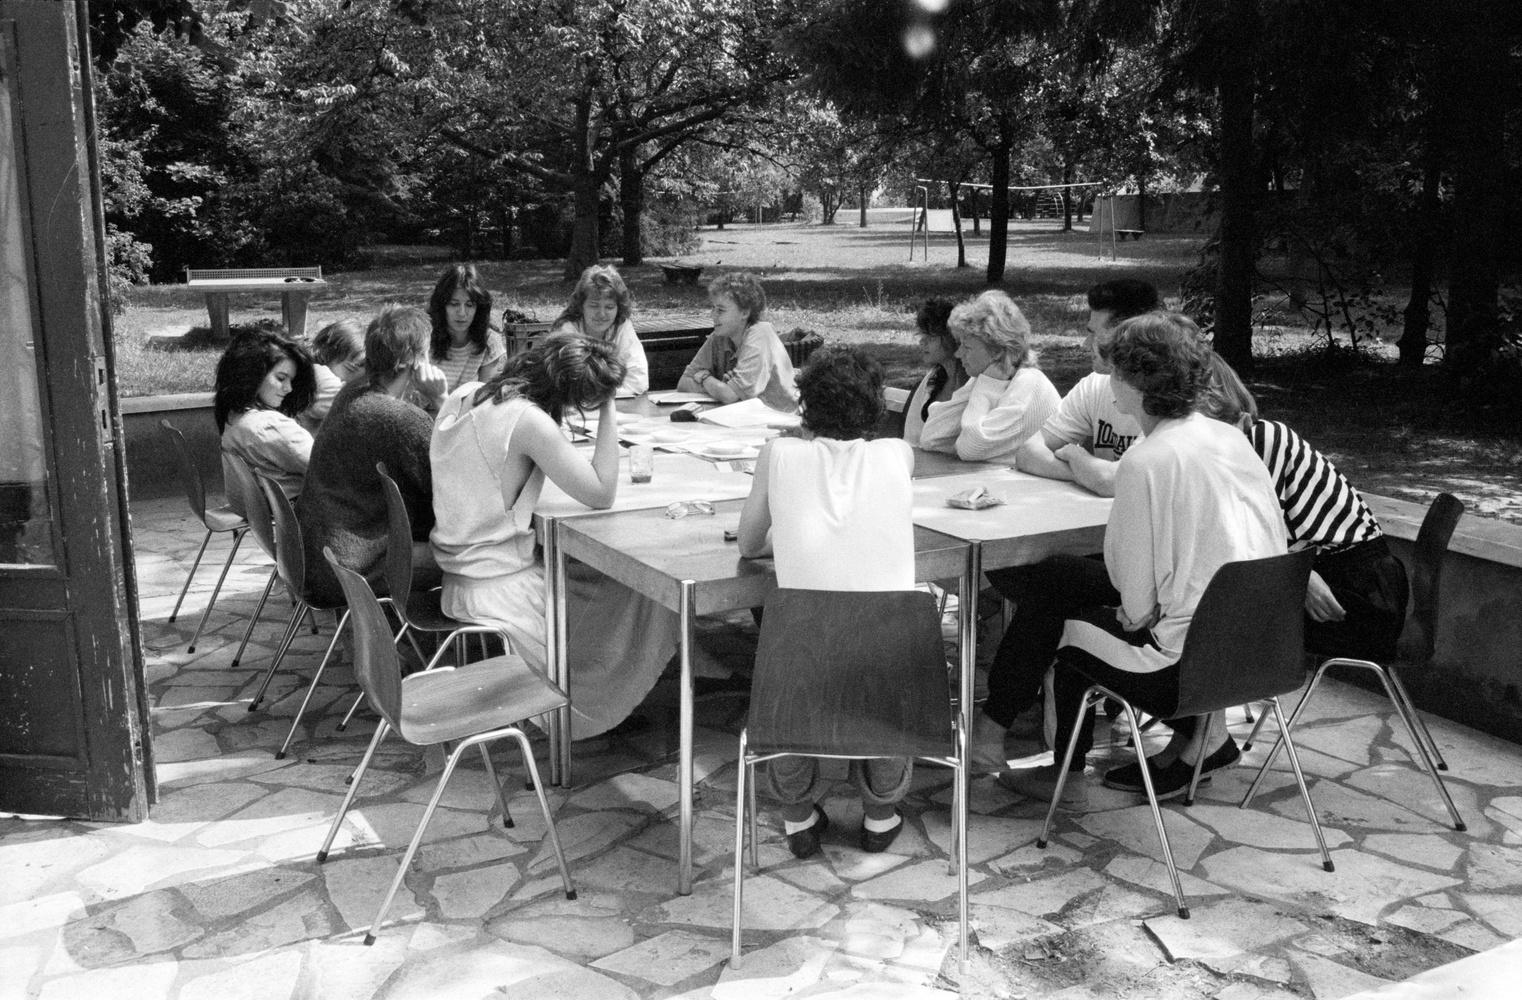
(1046, 594)
(1157, 690)
(1370, 584)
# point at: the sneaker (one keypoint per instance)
(875, 842)
(1127, 777)
(1041, 782)
(1173, 780)
(805, 843)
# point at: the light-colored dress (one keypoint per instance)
(483, 539)
(630, 351)
(272, 444)
(756, 367)
(987, 419)
(465, 363)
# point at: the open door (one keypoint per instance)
(73, 727)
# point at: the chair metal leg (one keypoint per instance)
(755, 820)
(1412, 722)
(544, 807)
(1256, 728)
(1294, 717)
(1305, 793)
(312, 687)
(740, 818)
(417, 840)
(1157, 813)
(285, 642)
(1194, 779)
(1421, 727)
(375, 741)
(253, 619)
(1085, 705)
(491, 774)
(349, 715)
(959, 822)
(237, 540)
(205, 541)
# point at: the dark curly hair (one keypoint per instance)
(1165, 357)
(458, 277)
(1124, 297)
(562, 370)
(840, 391)
(243, 366)
(745, 289)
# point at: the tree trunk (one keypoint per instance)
(1067, 201)
(1238, 237)
(861, 200)
(998, 210)
(829, 204)
(631, 200)
(1141, 202)
(977, 216)
(1413, 338)
(1479, 193)
(586, 191)
(956, 223)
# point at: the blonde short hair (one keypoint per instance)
(994, 318)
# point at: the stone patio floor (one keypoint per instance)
(218, 894)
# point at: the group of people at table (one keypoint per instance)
(1162, 424)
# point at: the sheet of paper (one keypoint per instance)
(748, 413)
(675, 397)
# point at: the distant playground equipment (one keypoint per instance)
(1121, 221)
(924, 219)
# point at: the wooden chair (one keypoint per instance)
(216, 520)
(1244, 644)
(1413, 651)
(849, 674)
(469, 706)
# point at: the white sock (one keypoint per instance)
(788, 826)
(881, 825)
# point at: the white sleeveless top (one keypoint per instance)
(479, 531)
(841, 513)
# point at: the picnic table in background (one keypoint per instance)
(295, 285)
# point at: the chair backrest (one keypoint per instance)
(398, 540)
(185, 465)
(243, 490)
(1418, 637)
(1247, 639)
(290, 557)
(376, 663)
(853, 673)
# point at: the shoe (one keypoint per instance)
(1127, 777)
(805, 843)
(1041, 782)
(874, 842)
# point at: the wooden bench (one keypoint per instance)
(295, 285)
(1135, 234)
(681, 274)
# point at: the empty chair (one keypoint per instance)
(1413, 651)
(216, 520)
(1244, 644)
(849, 674)
(290, 563)
(469, 706)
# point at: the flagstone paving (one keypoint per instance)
(218, 894)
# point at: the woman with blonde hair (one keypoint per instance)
(1007, 399)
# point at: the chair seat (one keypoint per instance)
(449, 704)
(224, 518)
(424, 613)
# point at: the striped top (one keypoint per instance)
(1321, 508)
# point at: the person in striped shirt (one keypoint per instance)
(1355, 603)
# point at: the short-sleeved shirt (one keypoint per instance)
(757, 367)
(464, 363)
(1087, 416)
(630, 351)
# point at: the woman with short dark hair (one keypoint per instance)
(945, 375)
(833, 508)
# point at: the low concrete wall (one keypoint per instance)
(151, 465)
(1476, 673)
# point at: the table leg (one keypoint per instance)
(216, 308)
(554, 625)
(293, 309)
(684, 767)
(967, 627)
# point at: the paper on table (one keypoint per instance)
(675, 397)
(748, 413)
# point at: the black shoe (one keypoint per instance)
(874, 842)
(1173, 780)
(805, 843)
(1128, 777)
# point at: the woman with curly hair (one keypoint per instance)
(743, 358)
(464, 344)
(493, 446)
(600, 308)
(1191, 496)
(833, 508)
(1008, 398)
(264, 380)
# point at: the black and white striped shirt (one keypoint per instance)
(1321, 508)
